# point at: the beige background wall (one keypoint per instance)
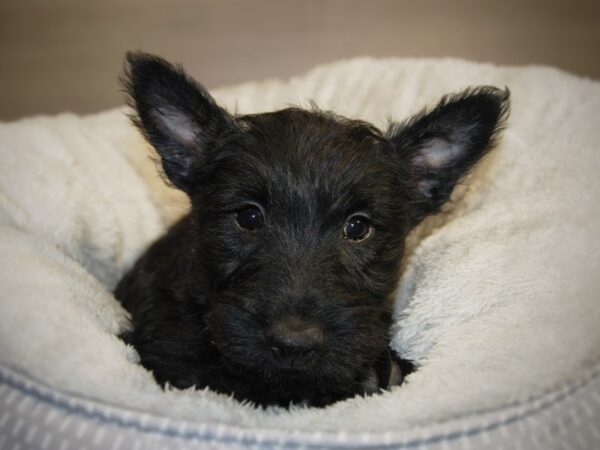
(58, 55)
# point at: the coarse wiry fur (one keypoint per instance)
(205, 298)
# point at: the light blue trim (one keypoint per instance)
(60, 400)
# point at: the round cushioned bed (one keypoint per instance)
(498, 303)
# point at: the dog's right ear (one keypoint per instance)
(175, 114)
(439, 146)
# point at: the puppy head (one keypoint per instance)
(300, 216)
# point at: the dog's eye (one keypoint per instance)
(250, 218)
(357, 228)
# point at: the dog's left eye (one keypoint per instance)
(250, 218)
(357, 228)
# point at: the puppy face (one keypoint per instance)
(300, 216)
(300, 229)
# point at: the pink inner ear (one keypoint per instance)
(426, 187)
(437, 153)
(176, 124)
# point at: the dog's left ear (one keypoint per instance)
(175, 114)
(439, 146)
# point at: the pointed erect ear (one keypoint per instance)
(436, 148)
(175, 114)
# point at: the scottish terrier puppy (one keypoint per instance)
(277, 286)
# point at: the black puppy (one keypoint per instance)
(277, 286)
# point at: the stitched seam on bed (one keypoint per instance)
(80, 410)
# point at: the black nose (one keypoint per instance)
(294, 339)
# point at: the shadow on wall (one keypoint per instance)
(66, 55)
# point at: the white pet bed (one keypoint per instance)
(499, 301)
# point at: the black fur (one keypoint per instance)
(206, 298)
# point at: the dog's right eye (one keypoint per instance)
(357, 228)
(250, 218)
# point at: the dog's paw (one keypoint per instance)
(396, 376)
(371, 383)
(388, 371)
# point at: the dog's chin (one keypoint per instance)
(325, 369)
(316, 375)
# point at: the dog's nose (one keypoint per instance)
(296, 339)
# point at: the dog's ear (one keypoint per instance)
(439, 146)
(175, 114)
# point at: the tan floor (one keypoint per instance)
(60, 55)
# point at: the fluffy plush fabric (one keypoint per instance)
(499, 296)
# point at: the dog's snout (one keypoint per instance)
(296, 339)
